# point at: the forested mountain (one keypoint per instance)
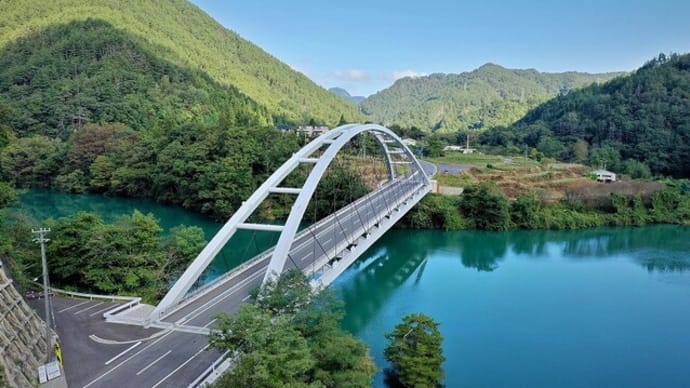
(173, 31)
(145, 99)
(55, 81)
(631, 124)
(488, 96)
(355, 100)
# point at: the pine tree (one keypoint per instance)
(415, 352)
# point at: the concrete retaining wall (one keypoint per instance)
(22, 338)
(448, 190)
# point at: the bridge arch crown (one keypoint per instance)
(334, 141)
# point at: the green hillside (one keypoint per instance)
(488, 96)
(57, 80)
(145, 99)
(636, 124)
(179, 33)
(88, 105)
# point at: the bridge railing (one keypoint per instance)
(321, 263)
(223, 279)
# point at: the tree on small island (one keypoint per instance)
(415, 353)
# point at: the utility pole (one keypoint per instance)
(42, 240)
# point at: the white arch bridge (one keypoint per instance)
(322, 250)
(179, 355)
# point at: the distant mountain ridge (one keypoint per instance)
(355, 100)
(181, 34)
(488, 96)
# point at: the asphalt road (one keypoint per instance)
(176, 358)
(429, 168)
(453, 168)
(78, 319)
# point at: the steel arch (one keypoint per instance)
(336, 139)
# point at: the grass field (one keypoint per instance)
(482, 160)
(515, 176)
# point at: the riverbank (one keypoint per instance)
(484, 207)
(159, 247)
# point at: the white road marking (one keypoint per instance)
(76, 305)
(153, 363)
(123, 353)
(181, 366)
(224, 295)
(88, 308)
(100, 311)
(210, 323)
(104, 341)
(246, 298)
(128, 358)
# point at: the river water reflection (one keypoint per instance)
(590, 308)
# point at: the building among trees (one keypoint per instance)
(605, 176)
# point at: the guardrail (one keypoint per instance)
(132, 301)
(211, 374)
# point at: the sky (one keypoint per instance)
(365, 45)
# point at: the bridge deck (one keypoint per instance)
(310, 251)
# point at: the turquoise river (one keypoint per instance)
(589, 308)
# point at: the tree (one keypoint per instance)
(271, 352)
(125, 257)
(486, 207)
(68, 250)
(580, 150)
(415, 352)
(286, 295)
(291, 338)
(638, 117)
(101, 171)
(181, 247)
(8, 195)
(434, 146)
(90, 142)
(524, 211)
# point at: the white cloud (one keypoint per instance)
(407, 73)
(355, 75)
